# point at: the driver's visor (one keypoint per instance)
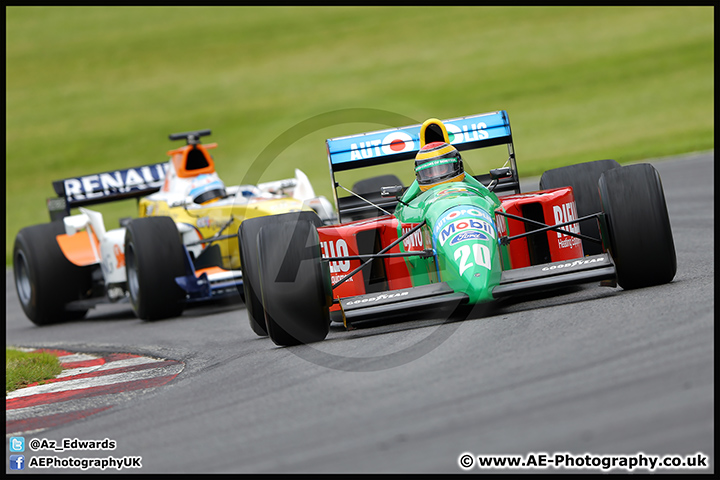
(436, 168)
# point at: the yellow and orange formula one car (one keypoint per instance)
(181, 249)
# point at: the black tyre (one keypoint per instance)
(295, 283)
(46, 281)
(639, 234)
(248, 245)
(154, 256)
(583, 178)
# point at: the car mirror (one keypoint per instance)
(498, 173)
(391, 191)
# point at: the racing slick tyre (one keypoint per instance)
(248, 235)
(46, 281)
(295, 282)
(583, 178)
(248, 243)
(154, 256)
(639, 234)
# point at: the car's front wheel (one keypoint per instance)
(295, 283)
(639, 233)
(154, 257)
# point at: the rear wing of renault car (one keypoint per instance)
(189, 160)
(105, 187)
(397, 144)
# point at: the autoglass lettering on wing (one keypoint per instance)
(119, 181)
(466, 133)
(391, 142)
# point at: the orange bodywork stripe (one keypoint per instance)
(78, 248)
(209, 271)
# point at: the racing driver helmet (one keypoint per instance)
(436, 163)
(207, 188)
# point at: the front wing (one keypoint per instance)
(439, 299)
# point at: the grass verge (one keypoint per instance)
(25, 368)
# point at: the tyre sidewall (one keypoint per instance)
(154, 255)
(293, 283)
(53, 280)
(641, 241)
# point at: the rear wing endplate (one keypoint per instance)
(105, 187)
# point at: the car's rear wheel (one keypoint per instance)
(154, 257)
(46, 281)
(583, 178)
(295, 283)
(639, 233)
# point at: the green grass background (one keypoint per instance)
(90, 89)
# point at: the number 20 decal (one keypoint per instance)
(481, 255)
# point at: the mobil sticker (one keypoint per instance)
(459, 212)
(466, 229)
(464, 223)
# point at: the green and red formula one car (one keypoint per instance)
(469, 240)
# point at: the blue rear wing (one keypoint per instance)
(105, 187)
(396, 144)
(392, 145)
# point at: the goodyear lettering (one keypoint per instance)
(572, 264)
(377, 298)
(119, 181)
(336, 248)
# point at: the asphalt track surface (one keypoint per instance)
(591, 370)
